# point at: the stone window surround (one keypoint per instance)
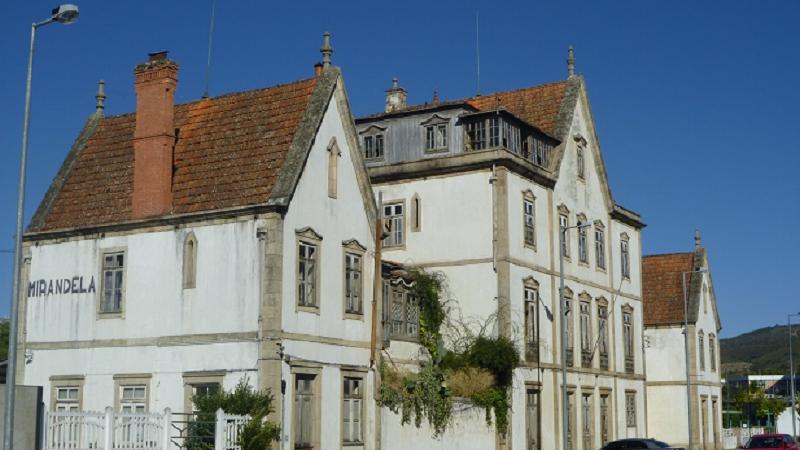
(701, 350)
(100, 288)
(374, 130)
(62, 381)
(534, 387)
(580, 152)
(530, 283)
(608, 394)
(200, 377)
(131, 379)
(563, 211)
(581, 218)
(712, 351)
(584, 299)
(599, 226)
(415, 214)
(308, 236)
(527, 196)
(352, 246)
(362, 375)
(623, 237)
(334, 153)
(628, 309)
(405, 224)
(314, 370)
(189, 261)
(603, 303)
(434, 121)
(628, 423)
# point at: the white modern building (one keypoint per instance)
(478, 189)
(663, 278)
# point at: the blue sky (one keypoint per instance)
(695, 102)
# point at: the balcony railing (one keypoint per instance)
(604, 361)
(628, 364)
(586, 358)
(532, 352)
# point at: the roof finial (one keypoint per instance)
(696, 238)
(571, 62)
(101, 95)
(326, 50)
(435, 96)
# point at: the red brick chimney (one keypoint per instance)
(154, 137)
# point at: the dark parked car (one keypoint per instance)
(762, 441)
(638, 444)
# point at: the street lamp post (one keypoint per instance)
(791, 377)
(65, 14)
(564, 399)
(686, 351)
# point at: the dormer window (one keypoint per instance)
(436, 133)
(500, 129)
(373, 140)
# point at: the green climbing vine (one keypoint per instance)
(479, 371)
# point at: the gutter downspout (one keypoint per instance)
(376, 295)
(493, 182)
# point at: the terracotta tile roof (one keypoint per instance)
(537, 105)
(228, 153)
(662, 288)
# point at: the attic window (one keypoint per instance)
(435, 133)
(373, 139)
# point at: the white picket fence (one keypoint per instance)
(111, 430)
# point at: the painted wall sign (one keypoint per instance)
(74, 285)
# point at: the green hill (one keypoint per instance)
(763, 351)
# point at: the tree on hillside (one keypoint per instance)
(4, 340)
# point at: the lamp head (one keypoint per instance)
(66, 13)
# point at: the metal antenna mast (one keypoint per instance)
(478, 52)
(210, 41)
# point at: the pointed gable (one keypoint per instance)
(229, 152)
(662, 287)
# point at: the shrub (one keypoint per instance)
(498, 355)
(469, 381)
(257, 434)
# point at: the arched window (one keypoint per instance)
(625, 258)
(190, 261)
(416, 213)
(333, 167)
(583, 241)
(569, 317)
(531, 302)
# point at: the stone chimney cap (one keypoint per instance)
(156, 60)
(696, 238)
(158, 56)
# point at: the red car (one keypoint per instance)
(764, 441)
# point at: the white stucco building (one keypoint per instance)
(478, 189)
(665, 349)
(184, 247)
(181, 246)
